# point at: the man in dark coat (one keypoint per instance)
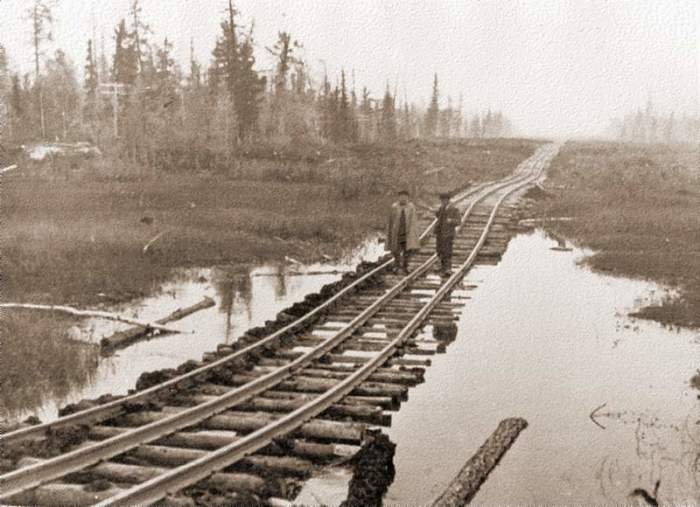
(402, 231)
(448, 218)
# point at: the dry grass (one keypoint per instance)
(638, 207)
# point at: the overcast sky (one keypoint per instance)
(555, 67)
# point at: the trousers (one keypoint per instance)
(401, 255)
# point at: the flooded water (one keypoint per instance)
(546, 339)
(245, 296)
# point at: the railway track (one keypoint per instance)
(272, 409)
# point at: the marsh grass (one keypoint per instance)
(639, 208)
(38, 361)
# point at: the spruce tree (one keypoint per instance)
(91, 80)
(433, 113)
(195, 79)
(249, 89)
(124, 64)
(388, 124)
(4, 91)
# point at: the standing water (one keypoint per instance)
(546, 339)
(245, 297)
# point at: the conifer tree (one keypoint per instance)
(124, 64)
(475, 127)
(388, 123)
(195, 78)
(91, 82)
(91, 79)
(432, 115)
(4, 92)
(249, 90)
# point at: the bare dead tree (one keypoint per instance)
(41, 18)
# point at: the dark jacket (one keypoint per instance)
(448, 218)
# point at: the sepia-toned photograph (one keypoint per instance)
(350, 253)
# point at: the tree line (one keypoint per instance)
(141, 104)
(647, 126)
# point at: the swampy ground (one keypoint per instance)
(638, 208)
(74, 232)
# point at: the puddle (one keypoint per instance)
(550, 343)
(329, 488)
(245, 296)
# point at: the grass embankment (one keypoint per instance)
(638, 207)
(74, 233)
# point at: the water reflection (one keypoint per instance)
(235, 290)
(246, 296)
(550, 343)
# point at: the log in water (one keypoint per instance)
(463, 487)
(125, 338)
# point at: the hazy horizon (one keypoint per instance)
(555, 68)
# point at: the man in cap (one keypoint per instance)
(448, 218)
(402, 231)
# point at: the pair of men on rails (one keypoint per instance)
(402, 231)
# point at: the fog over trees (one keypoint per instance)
(139, 102)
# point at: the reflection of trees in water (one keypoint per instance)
(667, 453)
(280, 281)
(235, 289)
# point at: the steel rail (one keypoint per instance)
(115, 408)
(186, 475)
(35, 475)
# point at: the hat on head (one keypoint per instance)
(403, 192)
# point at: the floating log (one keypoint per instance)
(90, 313)
(128, 336)
(463, 488)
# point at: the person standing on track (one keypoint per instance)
(448, 219)
(402, 231)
